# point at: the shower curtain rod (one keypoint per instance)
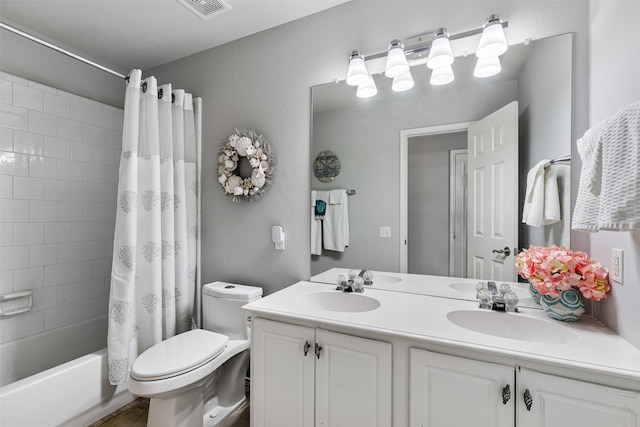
(59, 49)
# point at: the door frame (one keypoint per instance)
(454, 197)
(405, 134)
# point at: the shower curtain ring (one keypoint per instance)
(144, 87)
(160, 93)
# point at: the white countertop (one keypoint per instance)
(585, 345)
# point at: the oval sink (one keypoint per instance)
(512, 326)
(338, 301)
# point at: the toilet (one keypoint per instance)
(197, 378)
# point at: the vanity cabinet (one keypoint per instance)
(303, 376)
(453, 391)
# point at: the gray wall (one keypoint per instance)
(262, 82)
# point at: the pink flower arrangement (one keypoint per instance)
(555, 269)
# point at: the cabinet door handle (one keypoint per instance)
(318, 350)
(307, 346)
(528, 400)
(506, 394)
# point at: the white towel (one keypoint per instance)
(541, 201)
(335, 230)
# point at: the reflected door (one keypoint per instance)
(493, 195)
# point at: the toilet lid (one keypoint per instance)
(178, 354)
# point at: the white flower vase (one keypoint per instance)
(568, 307)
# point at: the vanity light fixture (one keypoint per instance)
(367, 89)
(487, 67)
(402, 82)
(396, 59)
(442, 76)
(440, 54)
(492, 41)
(357, 72)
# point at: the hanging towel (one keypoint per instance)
(316, 227)
(335, 228)
(542, 201)
(609, 188)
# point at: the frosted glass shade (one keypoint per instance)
(487, 67)
(367, 89)
(440, 54)
(402, 82)
(357, 72)
(492, 41)
(396, 61)
(442, 76)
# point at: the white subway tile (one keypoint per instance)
(28, 188)
(57, 105)
(57, 190)
(113, 139)
(105, 193)
(111, 174)
(81, 231)
(108, 249)
(93, 211)
(103, 230)
(68, 95)
(93, 134)
(82, 151)
(28, 143)
(6, 281)
(70, 211)
(27, 97)
(14, 117)
(45, 298)
(14, 210)
(43, 255)
(28, 233)
(15, 79)
(42, 87)
(69, 252)
(69, 292)
(56, 232)
(43, 123)
(56, 274)
(93, 102)
(93, 173)
(6, 92)
(56, 317)
(69, 129)
(119, 120)
(43, 167)
(110, 211)
(101, 268)
(92, 250)
(81, 191)
(6, 187)
(28, 278)
(6, 139)
(93, 288)
(104, 118)
(81, 310)
(29, 324)
(69, 170)
(15, 164)
(81, 271)
(104, 156)
(101, 305)
(43, 211)
(6, 234)
(81, 112)
(57, 147)
(14, 257)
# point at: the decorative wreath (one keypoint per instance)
(245, 145)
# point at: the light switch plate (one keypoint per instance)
(617, 260)
(385, 232)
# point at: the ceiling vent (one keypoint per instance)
(206, 9)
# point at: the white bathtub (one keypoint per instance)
(76, 393)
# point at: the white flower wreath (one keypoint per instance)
(255, 148)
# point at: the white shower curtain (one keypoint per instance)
(154, 292)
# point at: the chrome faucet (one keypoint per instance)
(496, 298)
(355, 284)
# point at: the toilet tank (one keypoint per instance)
(222, 308)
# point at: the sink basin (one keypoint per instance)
(382, 279)
(512, 326)
(338, 301)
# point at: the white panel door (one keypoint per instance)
(448, 391)
(559, 402)
(353, 381)
(282, 375)
(493, 195)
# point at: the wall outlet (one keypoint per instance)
(385, 232)
(617, 258)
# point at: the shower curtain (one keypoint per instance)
(154, 291)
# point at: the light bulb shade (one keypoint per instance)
(440, 54)
(442, 76)
(357, 72)
(367, 89)
(492, 40)
(487, 67)
(396, 60)
(402, 82)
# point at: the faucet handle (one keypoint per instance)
(485, 298)
(511, 301)
(504, 288)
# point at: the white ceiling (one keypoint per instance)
(126, 34)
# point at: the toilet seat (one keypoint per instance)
(178, 354)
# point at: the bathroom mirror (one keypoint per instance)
(366, 135)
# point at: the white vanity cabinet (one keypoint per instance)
(453, 391)
(303, 376)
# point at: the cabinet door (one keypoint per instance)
(282, 383)
(560, 402)
(450, 391)
(353, 381)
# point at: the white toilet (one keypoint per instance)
(197, 378)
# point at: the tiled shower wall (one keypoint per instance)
(59, 157)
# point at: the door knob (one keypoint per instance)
(506, 251)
